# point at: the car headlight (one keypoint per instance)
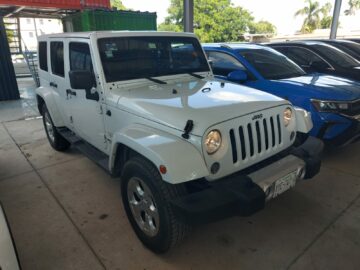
(330, 106)
(287, 116)
(212, 141)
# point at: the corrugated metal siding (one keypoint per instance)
(90, 20)
(8, 85)
(63, 4)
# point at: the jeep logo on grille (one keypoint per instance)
(257, 116)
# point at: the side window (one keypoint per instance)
(223, 63)
(303, 57)
(43, 56)
(80, 57)
(57, 58)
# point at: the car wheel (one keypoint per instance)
(146, 198)
(55, 139)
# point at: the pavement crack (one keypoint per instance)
(322, 232)
(57, 200)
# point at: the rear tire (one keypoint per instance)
(55, 139)
(146, 198)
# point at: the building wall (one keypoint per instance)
(31, 28)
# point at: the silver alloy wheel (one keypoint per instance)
(142, 206)
(49, 127)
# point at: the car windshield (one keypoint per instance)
(350, 48)
(271, 64)
(126, 58)
(336, 56)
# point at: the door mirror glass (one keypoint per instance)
(84, 80)
(81, 79)
(237, 76)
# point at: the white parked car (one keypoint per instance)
(186, 146)
(8, 255)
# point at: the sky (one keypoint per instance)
(278, 12)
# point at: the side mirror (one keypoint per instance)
(237, 76)
(83, 80)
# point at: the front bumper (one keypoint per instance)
(246, 193)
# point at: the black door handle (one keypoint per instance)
(53, 84)
(70, 92)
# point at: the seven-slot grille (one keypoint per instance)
(255, 138)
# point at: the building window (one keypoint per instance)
(28, 21)
(31, 34)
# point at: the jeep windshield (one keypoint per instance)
(271, 64)
(127, 58)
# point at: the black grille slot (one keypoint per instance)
(242, 143)
(266, 134)
(258, 135)
(272, 130)
(251, 141)
(279, 128)
(233, 145)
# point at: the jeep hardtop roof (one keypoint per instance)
(105, 34)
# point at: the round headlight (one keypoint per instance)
(287, 116)
(212, 141)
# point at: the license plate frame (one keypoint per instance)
(285, 183)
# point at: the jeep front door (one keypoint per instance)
(86, 109)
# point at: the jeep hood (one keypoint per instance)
(206, 102)
(320, 86)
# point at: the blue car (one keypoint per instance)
(333, 101)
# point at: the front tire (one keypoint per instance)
(55, 139)
(146, 198)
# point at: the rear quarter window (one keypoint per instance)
(57, 58)
(43, 56)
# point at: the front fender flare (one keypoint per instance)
(47, 95)
(182, 160)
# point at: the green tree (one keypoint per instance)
(262, 27)
(214, 20)
(326, 20)
(10, 35)
(353, 6)
(117, 4)
(312, 13)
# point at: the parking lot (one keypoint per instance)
(66, 213)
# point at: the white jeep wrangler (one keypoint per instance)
(187, 147)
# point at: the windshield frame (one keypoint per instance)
(204, 66)
(300, 71)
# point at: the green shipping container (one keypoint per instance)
(97, 20)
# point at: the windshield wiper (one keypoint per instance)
(196, 75)
(156, 80)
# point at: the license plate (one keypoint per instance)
(284, 183)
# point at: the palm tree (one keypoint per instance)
(353, 6)
(312, 11)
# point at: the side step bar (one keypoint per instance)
(85, 148)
